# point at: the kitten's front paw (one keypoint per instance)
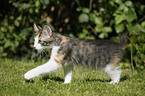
(114, 82)
(29, 75)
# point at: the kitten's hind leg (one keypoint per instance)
(48, 67)
(68, 73)
(113, 72)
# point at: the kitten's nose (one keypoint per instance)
(34, 46)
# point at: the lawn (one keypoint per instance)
(85, 82)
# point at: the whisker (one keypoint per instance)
(33, 54)
(42, 54)
(45, 52)
(39, 54)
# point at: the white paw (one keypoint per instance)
(66, 83)
(114, 82)
(29, 75)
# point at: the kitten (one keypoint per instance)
(66, 52)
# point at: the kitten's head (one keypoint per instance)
(43, 37)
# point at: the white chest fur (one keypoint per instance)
(36, 45)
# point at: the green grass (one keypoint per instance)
(85, 82)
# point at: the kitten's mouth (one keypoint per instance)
(37, 48)
(31, 45)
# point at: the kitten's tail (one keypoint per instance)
(123, 40)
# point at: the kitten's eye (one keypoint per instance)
(40, 41)
(43, 43)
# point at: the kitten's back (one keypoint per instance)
(94, 53)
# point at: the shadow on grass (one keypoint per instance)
(29, 81)
(52, 78)
(46, 78)
(124, 78)
(100, 80)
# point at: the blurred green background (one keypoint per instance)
(87, 19)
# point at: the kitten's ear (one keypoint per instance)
(37, 29)
(47, 31)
